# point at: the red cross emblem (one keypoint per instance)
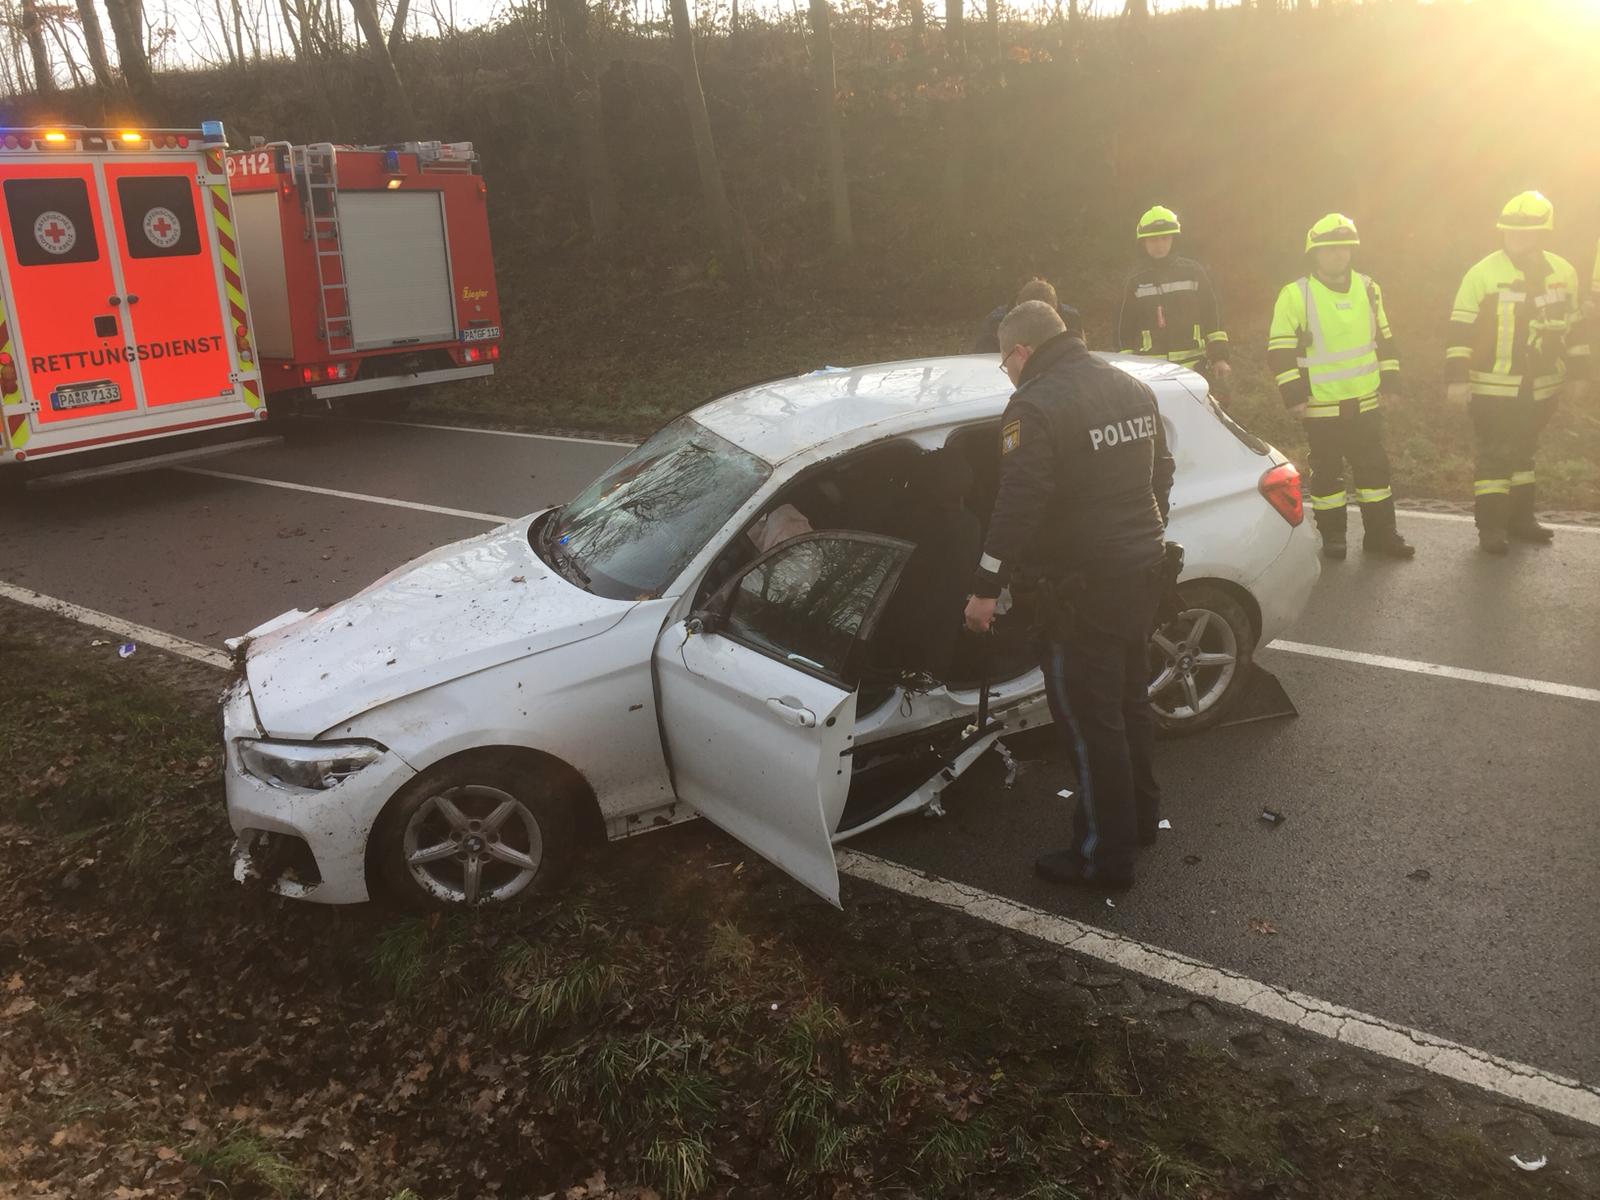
(162, 228)
(54, 232)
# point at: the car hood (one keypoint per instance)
(460, 609)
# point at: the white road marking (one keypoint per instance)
(515, 433)
(490, 518)
(141, 634)
(1567, 691)
(1466, 518)
(1413, 1047)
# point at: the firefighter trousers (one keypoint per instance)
(1097, 679)
(1357, 438)
(1506, 430)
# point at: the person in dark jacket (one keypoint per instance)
(1169, 306)
(1085, 482)
(988, 339)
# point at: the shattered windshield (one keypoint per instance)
(632, 531)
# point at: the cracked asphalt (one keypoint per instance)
(1439, 863)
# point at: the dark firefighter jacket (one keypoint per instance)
(1085, 475)
(1169, 310)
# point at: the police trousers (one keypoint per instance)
(1096, 666)
(1357, 438)
(1506, 430)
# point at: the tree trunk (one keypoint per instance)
(1137, 9)
(397, 31)
(992, 18)
(594, 159)
(95, 42)
(844, 237)
(919, 28)
(127, 30)
(955, 28)
(367, 17)
(712, 190)
(44, 80)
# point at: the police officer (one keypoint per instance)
(988, 339)
(1517, 342)
(1169, 308)
(1333, 355)
(1084, 483)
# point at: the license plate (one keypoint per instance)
(85, 395)
(484, 333)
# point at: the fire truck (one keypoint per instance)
(368, 267)
(122, 313)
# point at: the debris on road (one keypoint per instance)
(1163, 824)
(1271, 817)
(1189, 860)
(1258, 925)
(126, 650)
(1065, 793)
(1421, 875)
(1537, 1164)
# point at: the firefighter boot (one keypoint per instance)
(1331, 525)
(1523, 525)
(1378, 534)
(1491, 515)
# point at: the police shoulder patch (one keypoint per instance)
(1010, 437)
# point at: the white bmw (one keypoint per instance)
(754, 616)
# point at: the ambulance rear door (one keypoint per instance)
(68, 327)
(185, 341)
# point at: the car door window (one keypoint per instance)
(158, 218)
(813, 600)
(50, 222)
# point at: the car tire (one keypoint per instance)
(1204, 655)
(497, 834)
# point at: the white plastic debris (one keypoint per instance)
(99, 642)
(1110, 903)
(126, 650)
(1163, 824)
(1537, 1164)
(1065, 793)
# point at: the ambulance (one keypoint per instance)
(122, 314)
(368, 268)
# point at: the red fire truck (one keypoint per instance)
(368, 267)
(122, 318)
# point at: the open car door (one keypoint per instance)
(758, 695)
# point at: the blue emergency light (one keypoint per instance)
(212, 131)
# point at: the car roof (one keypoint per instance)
(781, 418)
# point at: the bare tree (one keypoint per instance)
(992, 20)
(94, 41)
(127, 30)
(583, 88)
(955, 27)
(397, 29)
(705, 149)
(828, 127)
(44, 80)
(919, 27)
(367, 18)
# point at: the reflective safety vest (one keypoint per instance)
(1512, 335)
(1328, 347)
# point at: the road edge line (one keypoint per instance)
(363, 497)
(105, 621)
(1543, 687)
(517, 433)
(1360, 1031)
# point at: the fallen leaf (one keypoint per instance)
(1257, 925)
(14, 984)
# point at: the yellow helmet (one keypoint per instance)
(1530, 210)
(1158, 222)
(1335, 229)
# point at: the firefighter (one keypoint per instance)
(1334, 358)
(1517, 342)
(988, 339)
(1169, 307)
(1077, 525)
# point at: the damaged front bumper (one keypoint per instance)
(309, 845)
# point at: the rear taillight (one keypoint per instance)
(471, 354)
(493, 351)
(241, 341)
(8, 375)
(1280, 487)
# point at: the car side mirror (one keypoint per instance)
(710, 619)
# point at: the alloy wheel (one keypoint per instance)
(473, 844)
(1194, 659)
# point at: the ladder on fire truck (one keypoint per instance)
(318, 165)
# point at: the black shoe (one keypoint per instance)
(1532, 531)
(1334, 547)
(1389, 545)
(1492, 541)
(1068, 867)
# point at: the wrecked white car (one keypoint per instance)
(755, 615)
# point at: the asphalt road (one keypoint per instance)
(1439, 863)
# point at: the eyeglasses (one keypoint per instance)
(1004, 369)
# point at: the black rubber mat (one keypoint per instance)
(1262, 700)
